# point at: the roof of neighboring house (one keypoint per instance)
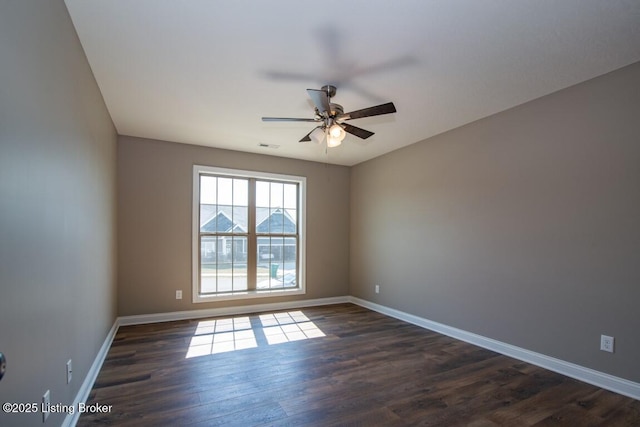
(226, 219)
(279, 220)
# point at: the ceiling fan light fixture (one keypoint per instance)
(333, 142)
(336, 132)
(317, 135)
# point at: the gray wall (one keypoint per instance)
(57, 215)
(154, 223)
(523, 227)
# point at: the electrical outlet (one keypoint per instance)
(377, 289)
(606, 343)
(178, 294)
(69, 371)
(46, 405)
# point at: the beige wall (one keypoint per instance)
(523, 227)
(154, 223)
(57, 214)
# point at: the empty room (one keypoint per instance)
(342, 213)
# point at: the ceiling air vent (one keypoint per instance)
(263, 145)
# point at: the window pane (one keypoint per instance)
(277, 249)
(262, 220)
(225, 191)
(262, 194)
(264, 253)
(223, 264)
(290, 219)
(224, 270)
(240, 219)
(290, 255)
(277, 267)
(270, 269)
(208, 189)
(240, 192)
(276, 221)
(290, 196)
(208, 265)
(276, 195)
(239, 263)
(208, 218)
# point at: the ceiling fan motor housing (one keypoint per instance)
(330, 90)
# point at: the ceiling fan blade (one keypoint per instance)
(307, 137)
(320, 100)
(353, 130)
(368, 112)
(286, 119)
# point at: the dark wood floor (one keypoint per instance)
(367, 369)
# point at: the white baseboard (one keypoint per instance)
(72, 419)
(226, 311)
(587, 375)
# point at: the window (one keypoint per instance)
(248, 234)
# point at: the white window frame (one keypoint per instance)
(195, 250)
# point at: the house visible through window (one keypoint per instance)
(247, 233)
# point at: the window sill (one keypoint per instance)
(248, 295)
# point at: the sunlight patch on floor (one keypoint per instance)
(220, 336)
(291, 326)
(237, 333)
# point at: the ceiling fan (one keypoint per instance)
(332, 118)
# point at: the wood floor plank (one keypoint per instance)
(363, 368)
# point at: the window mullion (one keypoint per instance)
(252, 241)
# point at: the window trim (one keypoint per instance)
(195, 234)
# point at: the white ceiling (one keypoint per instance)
(205, 71)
